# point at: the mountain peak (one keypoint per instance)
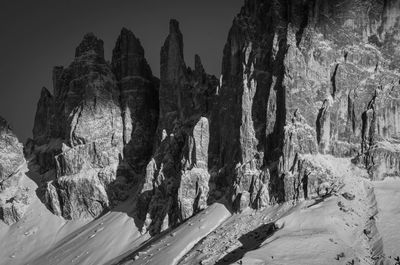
(89, 45)
(174, 26)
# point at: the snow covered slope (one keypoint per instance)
(97, 242)
(388, 222)
(170, 248)
(338, 229)
(42, 238)
(333, 231)
(35, 233)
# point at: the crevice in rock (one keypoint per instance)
(303, 24)
(333, 81)
(368, 135)
(323, 127)
(351, 115)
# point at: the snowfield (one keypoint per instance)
(170, 248)
(388, 198)
(357, 225)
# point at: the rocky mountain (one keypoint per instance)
(308, 77)
(14, 197)
(177, 178)
(306, 110)
(94, 134)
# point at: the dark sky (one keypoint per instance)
(37, 35)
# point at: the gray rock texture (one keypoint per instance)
(138, 101)
(299, 78)
(83, 132)
(177, 179)
(311, 59)
(14, 199)
(11, 155)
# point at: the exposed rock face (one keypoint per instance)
(139, 102)
(41, 129)
(11, 156)
(315, 59)
(177, 178)
(298, 78)
(87, 119)
(96, 109)
(14, 199)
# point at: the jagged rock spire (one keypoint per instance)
(138, 99)
(43, 115)
(172, 61)
(4, 126)
(128, 57)
(198, 68)
(89, 45)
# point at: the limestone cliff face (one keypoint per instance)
(304, 77)
(85, 136)
(83, 132)
(177, 179)
(41, 130)
(298, 78)
(138, 101)
(14, 199)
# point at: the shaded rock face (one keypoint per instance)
(313, 59)
(138, 100)
(95, 110)
(41, 129)
(177, 178)
(14, 199)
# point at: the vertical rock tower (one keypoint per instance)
(95, 133)
(177, 178)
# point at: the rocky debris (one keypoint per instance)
(348, 196)
(383, 160)
(177, 178)
(13, 209)
(14, 198)
(236, 236)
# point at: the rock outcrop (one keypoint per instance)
(138, 101)
(313, 59)
(87, 121)
(299, 78)
(41, 129)
(14, 198)
(83, 132)
(177, 178)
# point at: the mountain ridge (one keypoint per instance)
(301, 82)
